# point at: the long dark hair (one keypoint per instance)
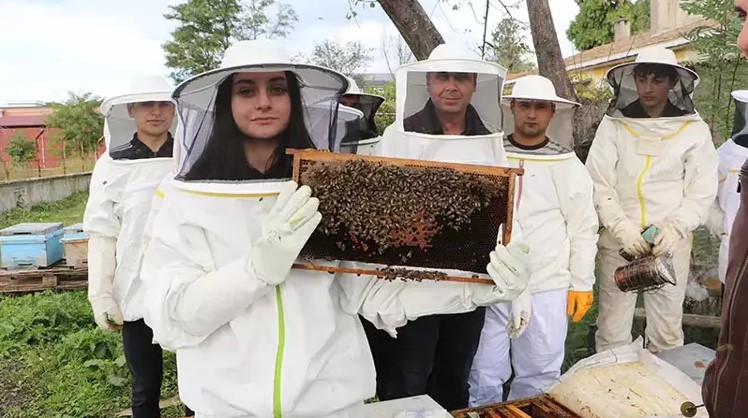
(224, 157)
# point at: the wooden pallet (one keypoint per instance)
(58, 277)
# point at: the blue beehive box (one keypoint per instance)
(31, 245)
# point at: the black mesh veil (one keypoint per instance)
(739, 128)
(622, 80)
(196, 99)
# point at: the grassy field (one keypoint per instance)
(55, 363)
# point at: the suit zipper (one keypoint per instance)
(277, 405)
(640, 190)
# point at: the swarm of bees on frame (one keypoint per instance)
(392, 273)
(373, 207)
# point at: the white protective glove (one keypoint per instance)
(107, 314)
(509, 272)
(291, 222)
(521, 312)
(102, 264)
(631, 239)
(668, 233)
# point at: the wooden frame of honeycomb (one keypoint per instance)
(303, 159)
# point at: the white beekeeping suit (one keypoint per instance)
(255, 338)
(559, 224)
(118, 206)
(732, 154)
(659, 171)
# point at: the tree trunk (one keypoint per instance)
(414, 25)
(550, 61)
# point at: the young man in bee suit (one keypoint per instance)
(559, 223)
(652, 163)
(447, 110)
(138, 155)
(732, 154)
(255, 337)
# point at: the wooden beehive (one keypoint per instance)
(424, 214)
(76, 246)
(539, 407)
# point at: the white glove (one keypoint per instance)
(101, 267)
(521, 312)
(667, 235)
(291, 222)
(508, 270)
(630, 237)
(107, 314)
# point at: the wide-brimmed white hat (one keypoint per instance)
(119, 126)
(263, 56)
(656, 55)
(537, 87)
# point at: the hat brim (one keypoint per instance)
(314, 76)
(156, 96)
(678, 67)
(740, 95)
(557, 100)
(373, 96)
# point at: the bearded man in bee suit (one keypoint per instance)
(555, 210)
(448, 111)
(139, 146)
(652, 163)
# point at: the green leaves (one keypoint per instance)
(386, 114)
(510, 47)
(40, 318)
(64, 367)
(349, 59)
(77, 123)
(205, 28)
(722, 67)
(21, 149)
(593, 25)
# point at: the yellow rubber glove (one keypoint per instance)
(579, 302)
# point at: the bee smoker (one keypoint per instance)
(646, 273)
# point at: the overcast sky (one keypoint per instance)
(50, 47)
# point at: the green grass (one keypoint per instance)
(68, 211)
(54, 362)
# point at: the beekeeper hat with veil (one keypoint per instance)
(540, 89)
(449, 82)
(662, 63)
(365, 138)
(199, 106)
